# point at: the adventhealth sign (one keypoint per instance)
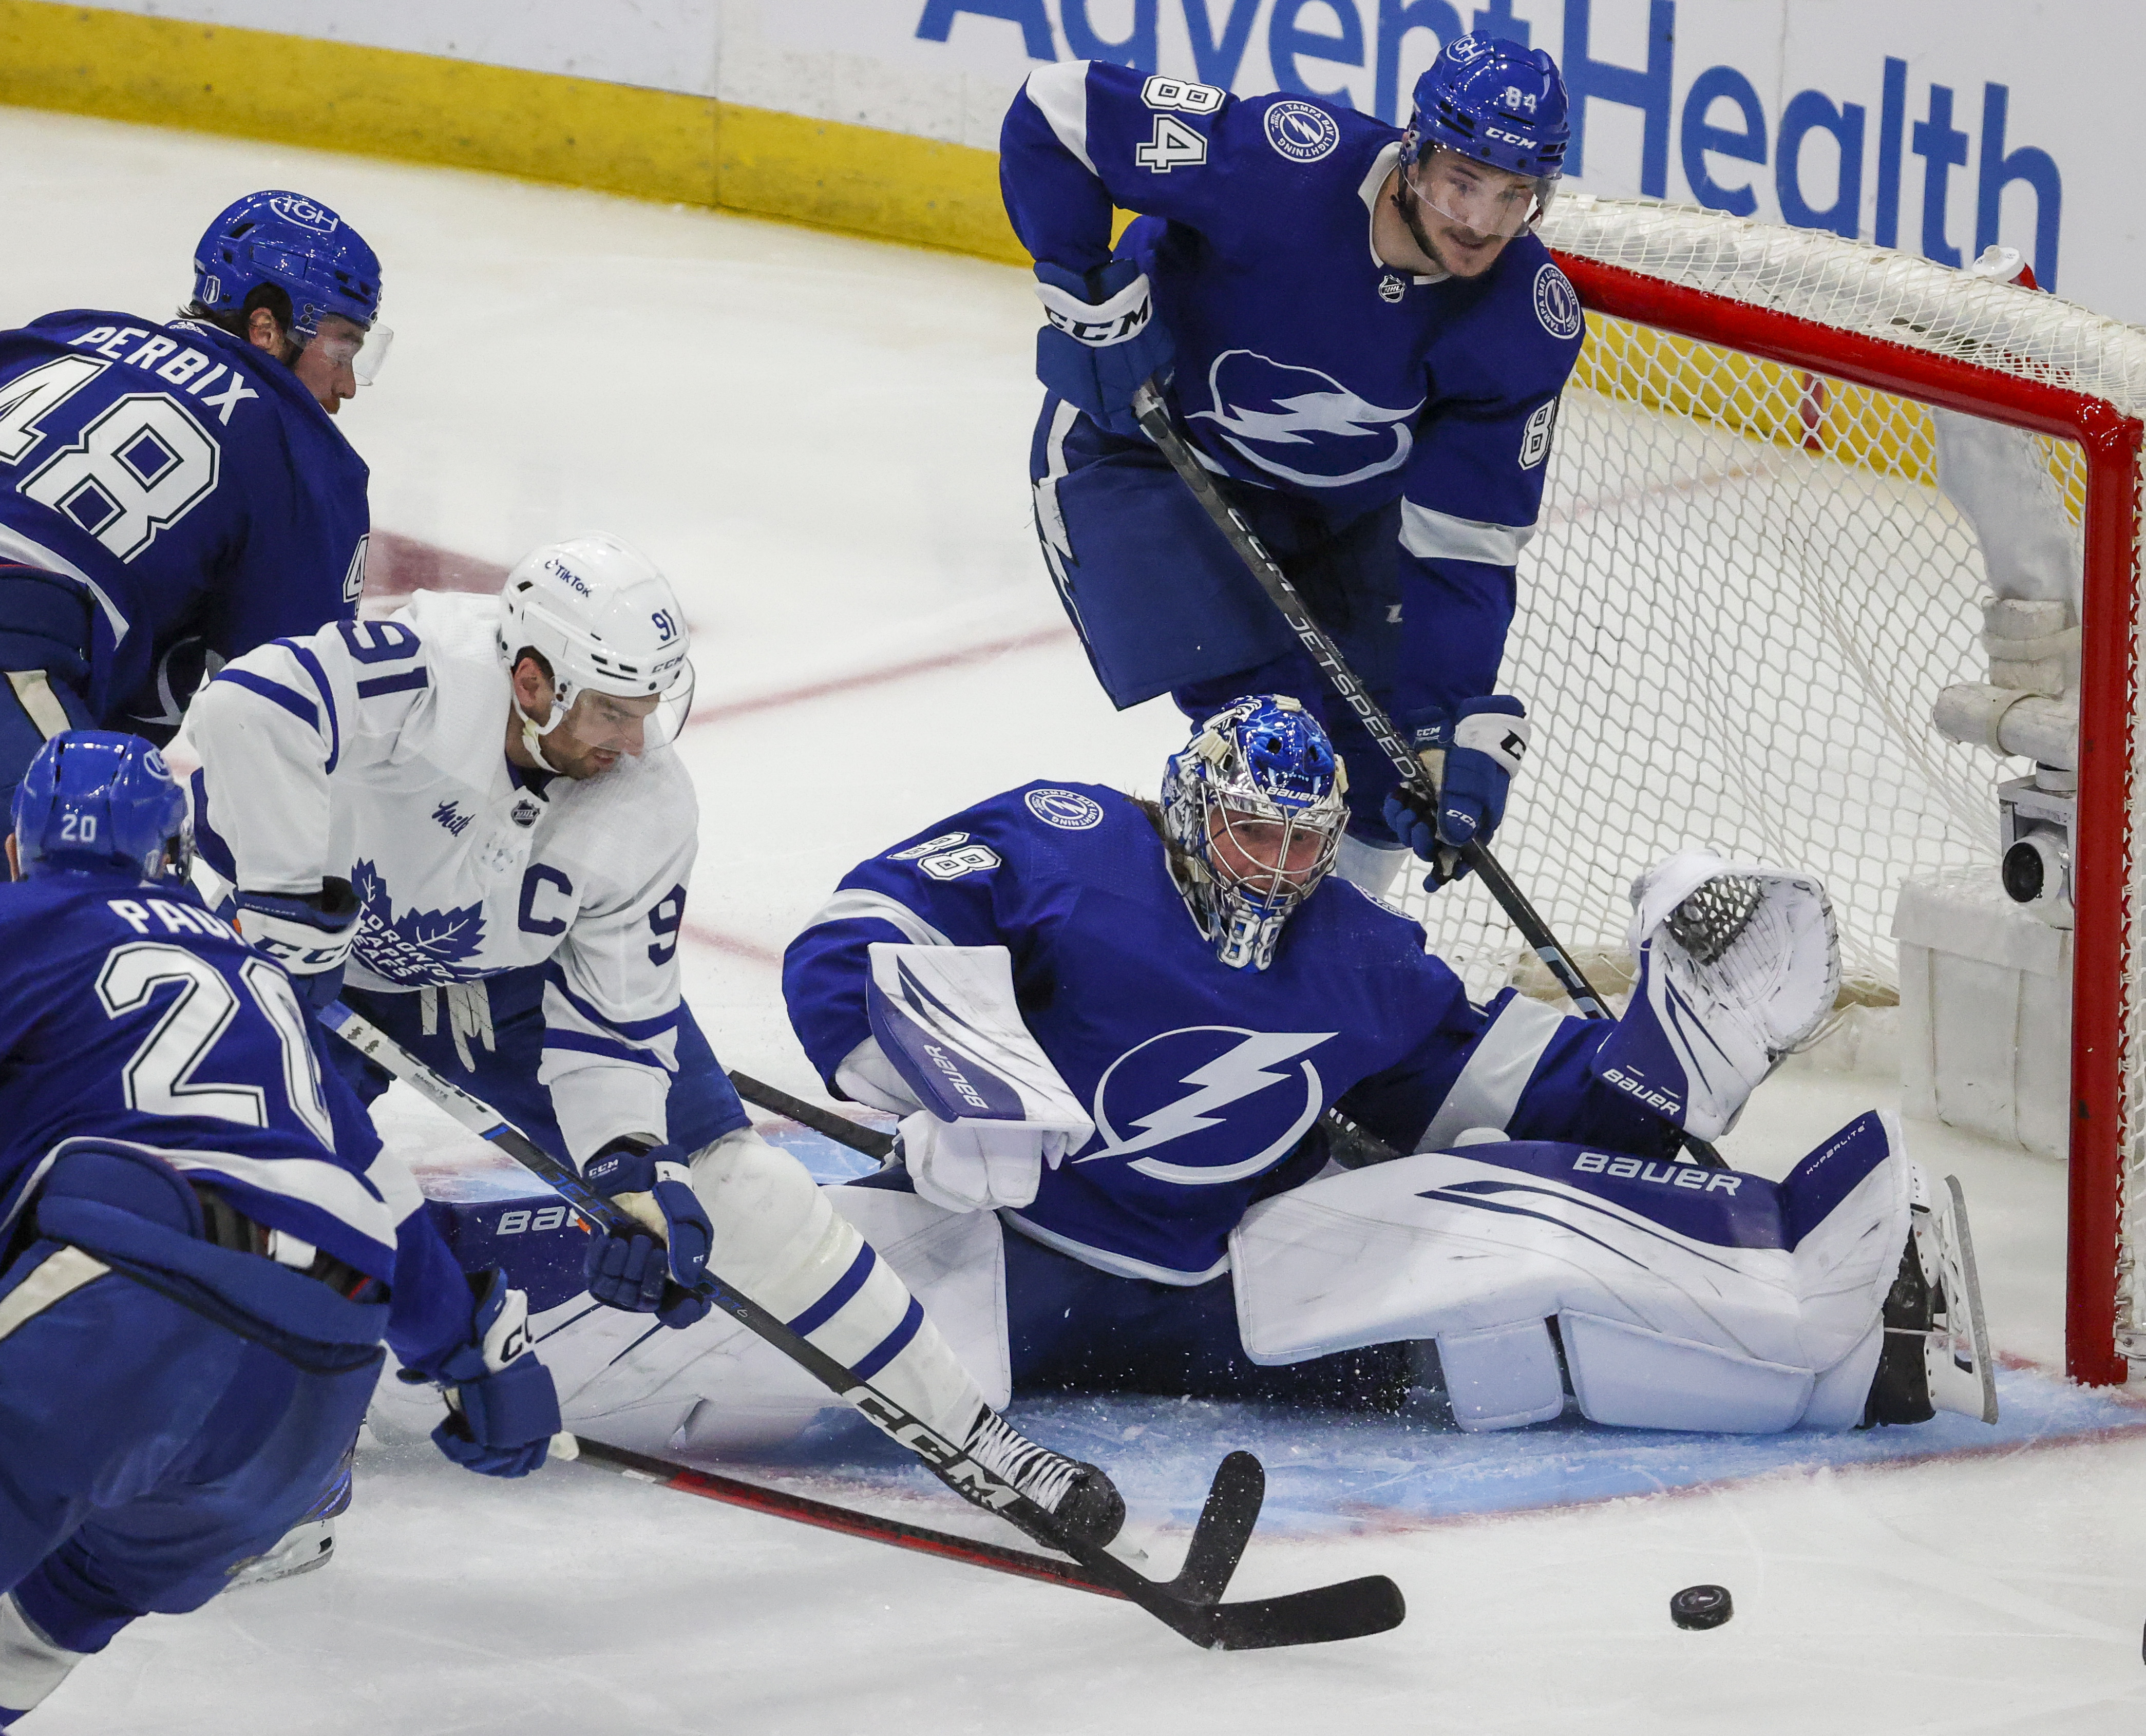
(1815, 112)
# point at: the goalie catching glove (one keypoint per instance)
(994, 1108)
(1738, 964)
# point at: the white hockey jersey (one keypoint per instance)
(376, 750)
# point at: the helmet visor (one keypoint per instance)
(1483, 201)
(362, 349)
(614, 723)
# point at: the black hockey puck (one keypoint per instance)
(1702, 1606)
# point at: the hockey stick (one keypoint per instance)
(1157, 423)
(1350, 1145)
(737, 1492)
(1357, 1607)
(840, 1129)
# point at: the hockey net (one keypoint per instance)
(1747, 592)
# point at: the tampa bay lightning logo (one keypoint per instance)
(1301, 424)
(1557, 303)
(419, 948)
(304, 213)
(1301, 132)
(1224, 1102)
(1068, 809)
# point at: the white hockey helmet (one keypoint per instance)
(607, 621)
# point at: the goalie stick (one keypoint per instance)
(1190, 1605)
(1157, 422)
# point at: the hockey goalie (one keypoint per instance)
(1114, 1031)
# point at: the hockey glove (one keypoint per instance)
(309, 937)
(1738, 965)
(1471, 759)
(979, 1165)
(648, 1270)
(1103, 340)
(503, 1410)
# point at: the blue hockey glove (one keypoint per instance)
(1103, 339)
(503, 1408)
(309, 937)
(1472, 758)
(634, 1271)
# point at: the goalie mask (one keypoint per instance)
(607, 622)
(1252, 809)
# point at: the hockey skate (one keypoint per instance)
(1074, 1493)
(1937, 1347)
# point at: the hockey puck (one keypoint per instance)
(1702, 1606)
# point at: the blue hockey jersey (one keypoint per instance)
(128, 1012)
(1304, 362)
(1206, 1085)
(190, 484)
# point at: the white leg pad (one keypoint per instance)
(1503, 1377)
(778, 1240)
(1625, 1374)
(1692, 1299)
(716, 1386)
(30, 1665)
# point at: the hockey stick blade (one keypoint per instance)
(1225, 1529)
(1300, 1618)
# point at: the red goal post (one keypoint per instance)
(1749, 402)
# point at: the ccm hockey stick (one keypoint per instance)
(1158, 425)
(1190, 1605)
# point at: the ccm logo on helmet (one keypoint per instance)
(1681, 1176)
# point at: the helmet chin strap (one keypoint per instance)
(533, 732)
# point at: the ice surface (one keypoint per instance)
(823, 441)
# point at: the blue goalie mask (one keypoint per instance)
(94, 800)
(1253, 809)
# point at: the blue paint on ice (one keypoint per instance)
(1328, 1473)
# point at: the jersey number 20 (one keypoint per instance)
(160, 1079)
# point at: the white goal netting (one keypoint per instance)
(1747, 592)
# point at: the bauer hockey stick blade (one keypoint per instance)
(1305, 1618)
(1155, 420)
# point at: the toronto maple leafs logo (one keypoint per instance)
(417, 949)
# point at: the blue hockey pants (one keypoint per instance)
(1164, 605)
(145, 1452)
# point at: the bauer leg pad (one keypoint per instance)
(1687, 1298)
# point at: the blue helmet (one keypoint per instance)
(298, 245)
(1253, 810)
(92, 799)
(1496, 102)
